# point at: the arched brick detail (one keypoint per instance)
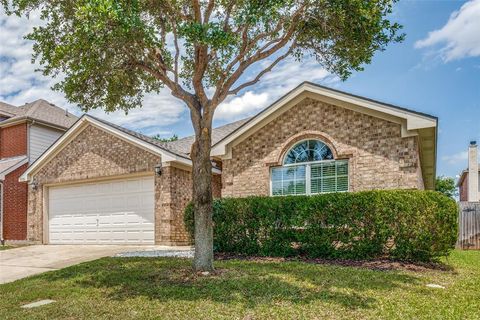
(310, 135)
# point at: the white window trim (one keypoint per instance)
(308, 180)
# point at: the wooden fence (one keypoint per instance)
(469, 226)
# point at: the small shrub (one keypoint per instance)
(400, 224)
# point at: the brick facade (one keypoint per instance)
(379, 158)
(96, 154)
(173, 196)
(15, 206)
(463, 188)
(92, 154)
(13, 141)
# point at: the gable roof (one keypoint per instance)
(160, 144)
(463, 175)
(40, 111)
(180, 147)
(412, 123)
(414, 120)
(157, 147)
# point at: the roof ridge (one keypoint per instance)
(136, 134)
(33, 106)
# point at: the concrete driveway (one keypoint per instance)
(26, 261)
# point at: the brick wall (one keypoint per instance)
(379, 158)
(13, 141)
(95, 153)
(15, 206)
(173, 195)
(464, 189)
(92, 154)
(217, 186)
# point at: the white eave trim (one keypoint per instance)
(410, 121)
(78, 127)
(166, 155)
(13, 168)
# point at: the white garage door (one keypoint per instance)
(110, 212)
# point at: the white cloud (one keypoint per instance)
(460, 36)
(238, 107)
(19, 83)
(272, 85)
(158, 110)
(456, 157)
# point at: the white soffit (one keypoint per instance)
(410, 121)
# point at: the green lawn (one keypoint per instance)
(137, 288)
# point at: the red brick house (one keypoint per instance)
(101, 183)
(25, 133)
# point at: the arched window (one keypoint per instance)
(309, 168)
(308, 151)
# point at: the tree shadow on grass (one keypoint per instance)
(249, 283)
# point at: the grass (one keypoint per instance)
(143, 288)
(5, 247)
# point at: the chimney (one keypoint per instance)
(473, 172)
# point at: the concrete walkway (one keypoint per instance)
(26, 261)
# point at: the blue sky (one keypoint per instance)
(436, 70)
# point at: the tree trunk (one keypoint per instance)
(202, 196)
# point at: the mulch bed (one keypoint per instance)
(376, 264)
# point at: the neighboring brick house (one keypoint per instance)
(469, 182)
(101, 183)
(25, 133)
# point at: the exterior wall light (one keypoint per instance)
(34, 185)
(158, 169)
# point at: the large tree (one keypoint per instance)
(109, 53)
(446, 185)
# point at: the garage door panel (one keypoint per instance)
(118, 211)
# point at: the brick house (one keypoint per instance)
(469, 181)
(101, 183)
(25, 133)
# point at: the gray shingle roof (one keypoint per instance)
(7, 109)
(184, 145)
(8, 163)
(40, 110)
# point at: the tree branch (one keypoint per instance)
(196, 11)
(263, 72)
(201, 60)
(208, 11)
(223, 87)
(177, 51)
(226, 24)
(177, 90)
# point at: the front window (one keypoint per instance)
(309, 168)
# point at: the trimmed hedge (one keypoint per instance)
(399, 224)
